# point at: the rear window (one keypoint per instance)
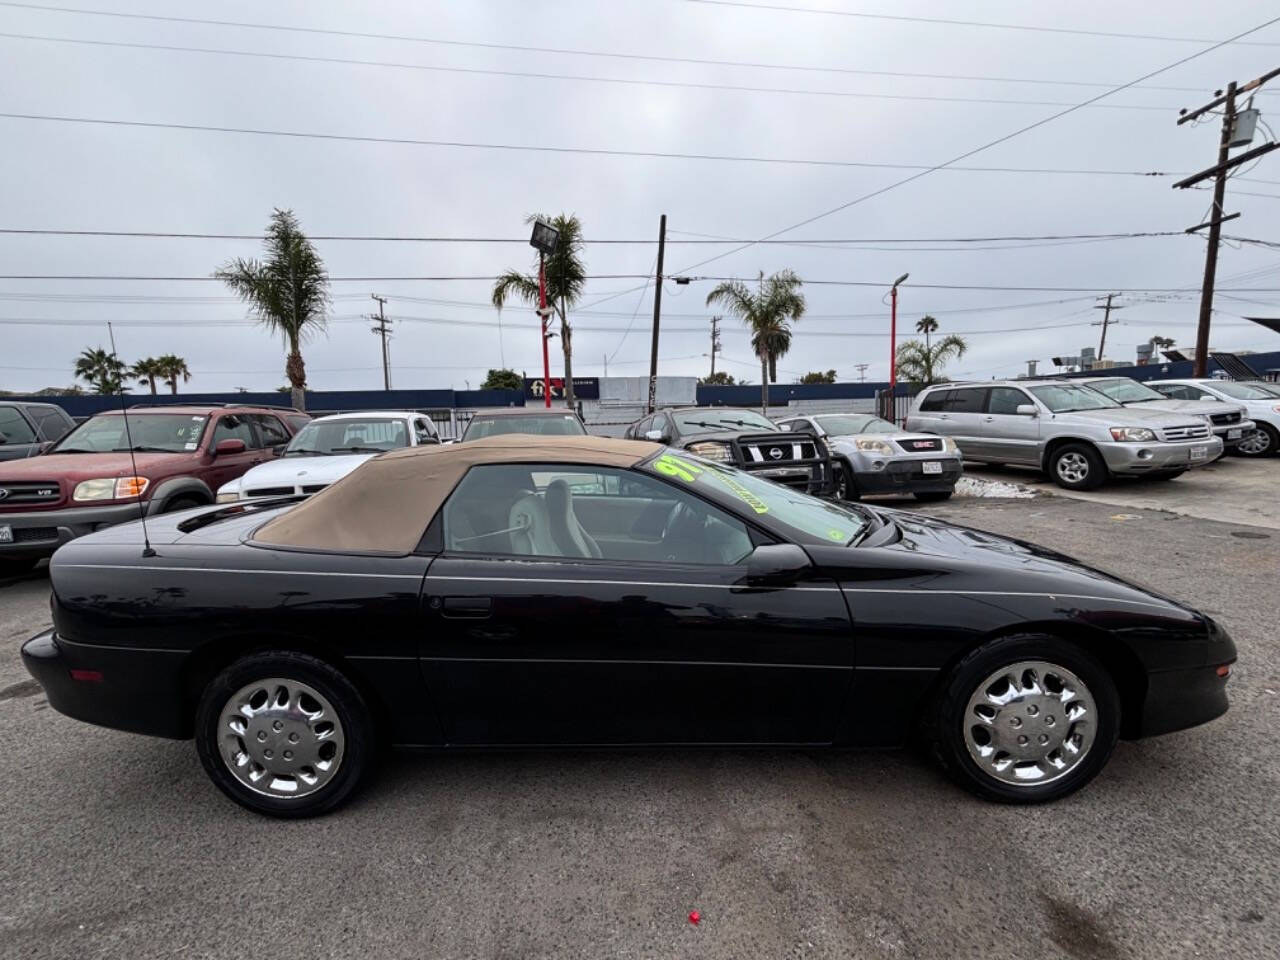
(563, 425)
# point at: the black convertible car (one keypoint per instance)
(536, 591)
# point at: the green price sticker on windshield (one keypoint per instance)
(836, 535)
(672, 466)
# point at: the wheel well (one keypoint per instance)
(1123, 666)
(193, 495)
(215, 656)
(1057, 443)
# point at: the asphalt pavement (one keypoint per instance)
(114, 845)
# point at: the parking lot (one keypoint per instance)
(118, 845)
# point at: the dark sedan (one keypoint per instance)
(579, 591)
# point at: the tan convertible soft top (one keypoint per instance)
(385, 505)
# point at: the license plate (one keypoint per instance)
(1233, 434)
(932, 466)
(6, 534)
(1199, 453)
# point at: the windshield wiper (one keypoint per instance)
(306, 453)
(358, 450)
(140, 448)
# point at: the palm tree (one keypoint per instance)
(566, 279)
(769, 312)
(146, 371)
(103, 371)
(926, 325)
(170, 368)
(287, 291)
(922, 364)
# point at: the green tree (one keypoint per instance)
(926, 325)
(921, 363)
(566, 279)
(170, 368)
(769, 312)
(503, 379)
(147, 371)
(103, 371)
(287, 291)
(718, 379)
(1161, 343)
(817, 376)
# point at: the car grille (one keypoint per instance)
(271, 492)
(13, 493)
(1223, 419)
(1193, 431)
(780, 452)
(34, 534)
(920, 445)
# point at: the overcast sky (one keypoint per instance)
(56, 175)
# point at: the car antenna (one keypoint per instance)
(133, 460)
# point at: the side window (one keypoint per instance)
(934, 401)
(1006, 400)
(562, 511)
(52, 423)
(642, 427)
(424, 431)
(14, 427)
(273, 431)
(967, 401)
(234, 426)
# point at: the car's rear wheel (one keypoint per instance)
(1077, 466)
(1026, 719)
(284, 734)
(1262, 441)
(933, 496)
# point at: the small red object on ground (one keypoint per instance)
(694, 917)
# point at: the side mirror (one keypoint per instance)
(784, 427)
(657, 436)
(1027, 410)
(278, 449)
(231, 445)
(776, 564)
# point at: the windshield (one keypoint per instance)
(349, 435)
(150, 433)
(1123, 390)
(1270, 389)
(844, 426)
(1064, 398)
(1240, 391)
(561, 425)
(806, 518)
(710, 421)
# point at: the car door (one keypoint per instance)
(1009, 436)
(963, 411)
(228, 466)
(639, 631)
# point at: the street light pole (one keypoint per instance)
(893, 337)
(542, 323)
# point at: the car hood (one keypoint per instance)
(1131, 416)
(75, 467)
(287, 471)
(1203, 408)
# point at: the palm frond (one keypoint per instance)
(512, 285)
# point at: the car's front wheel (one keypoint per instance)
(284, 734)
(1263, 441)
(846, 486)
(1026, 719)
(1077, 466)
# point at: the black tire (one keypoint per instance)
(1077, 466)
(950, 739)
(1165, 474)
(1268, 442)
(846, 485)
(182, 503)
(933, 496)
(353, 719)
(16, 568)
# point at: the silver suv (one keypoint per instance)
(1075, 434)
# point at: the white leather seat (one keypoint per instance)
(566, 531)
(530, 531)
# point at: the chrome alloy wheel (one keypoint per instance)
(1073, 467)
(1030, 723)
(1255, 443)
(280, 738)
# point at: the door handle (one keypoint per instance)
(467, 608)
(988, 419)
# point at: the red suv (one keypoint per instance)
(169, 458)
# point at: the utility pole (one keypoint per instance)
(715, 343)
(381, 329)
(862, 371)
(1105, 321)
(1230, 137)
(657, 316)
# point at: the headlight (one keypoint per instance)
(230, 497)
(111, 488)
(871, 445)
(950, 446)
(712, 450)
(1132, 434)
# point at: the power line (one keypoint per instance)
(576, 78)
(534, 148)
(988, 145)
(564, 51)
(1032, 28)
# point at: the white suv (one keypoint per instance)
(1263, 408)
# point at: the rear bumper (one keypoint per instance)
(38, 533)
(1137, 458)
(136, 690)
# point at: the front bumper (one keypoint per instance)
(1139, 458)
(906, 476)
(38, 533)
(1231, 434)
(136, 690)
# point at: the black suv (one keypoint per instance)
(744, 439)
(27, 429)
